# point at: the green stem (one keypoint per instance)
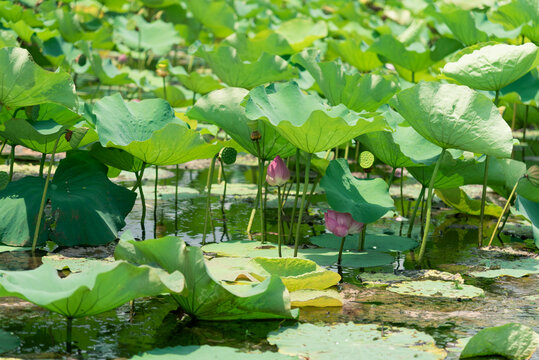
(414, 214)
(429, 206)
(311, 194)
(497, 97)
(413, 76)
(11, 161)
(339, 259)
(292, 218)
(401, 192)
(503, 212)
(391, 177)
(302, 206)
(142, 201)
(176, 200)
(362, 238)
(208, 199)
(44, 196)
(279, 235)
(483, 201)
(525, 125)
(155, 201)
(224, 187)
(165, 88)
(69, 334)
(42, 164)
(260, 199)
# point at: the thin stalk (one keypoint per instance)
(356, 157)
(208, 199)
(313, 189)
(391, 177)
(292, 218)
(503, 225)
(224, 186)
(69, 334)
(3, 144)
(176, 200)
(44, 196)
(413, 76)
(260, 198)
(265, 207)
(503, 212)
(525, 125)
(279, 232)
(483, 201)
(142, 201)
(514, 119)
(42, 164)
(139, 50)
(155, 201)
(339, 260)
(401, 191)
(346, 150)
(251, 220)
(11, 161)
(165, 87)
(362, 238)
(429, 206)
(416, 207)
(302, 206)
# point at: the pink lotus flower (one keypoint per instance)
(338, 223)
(122, 58)
(278, 173)
(355, 227)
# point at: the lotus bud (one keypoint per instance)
(338, 223)
(398, 172)
(68, 135)
(122, 58)
(162, 68)
(278, 173)
(255, 135)
(355, 227)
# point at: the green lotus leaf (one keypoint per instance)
(453, 116)
(223, 108)
(79, 190)
(8, 341)
(116, 158)
(372, 242)
(204, 297)
(519, 13)
(356, 341)
(300, 33)
(316, 298)
(493, 66)
(8, 38)
(436, 288)
(514, 268)
(358, 92)
(323, 257)
(74, 264)
(199, 83)
(10, 11)
(523, 91)
(356, 53)
(460, 201)
(512, 341)
(234, 71)
(104, 69)
(25, 84)
(265, 41)
(217, 16)
(90, 292)
(305, 121)
(367, 200)
(530, 209)
(197, 352)
(69, 26)
(149, 130)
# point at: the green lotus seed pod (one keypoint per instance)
(366, 159)
(4, 180)
(228, 155)
(533, 175)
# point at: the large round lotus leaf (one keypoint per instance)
(367, 200)
(358, 92)
(149, 131)
(355, 341)
(217, 16)
(305, 120)
(436, 288)
(356, 53)
(460, 201)
(316, 298)
(116, 158)
(494, 66)
(530, 209)
(250, 48)
(86, 208)
(206, 297)
(512, 341)
(519, 13)
(207, 352)
(372, 242)
(223, 108)
(515, 268)
(91, 292)
(24, 83)
(8, 341)
(453, 116)
(74, 264)
(523, 91)
(234, 71)
(200, 83)
(300, 33)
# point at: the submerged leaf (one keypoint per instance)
(436, 288)
(372, 242)
(198, 352)
(8, 341)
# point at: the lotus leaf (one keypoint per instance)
(358, 92)
(523, 91)
(436, 288)
(518, 13)
(316, 298)
(372, 242)
(196, 352)
(453, 116)
(493, 66)
(104, 69)
(234, 71)
(512, 341)
(204, 297)
(217, 16)
(149, 131)
(300, 33)
(460, 201)
(25, 84)
(355, 341)
(530, 209)
(91, 292)
(305, 121)
(367, 200)
(265, 41)
(356, 53)
(73, 195)
(116, 158)
(74, 264)
(199, 83)
(8, 341)
(515, 268)
(222, 108)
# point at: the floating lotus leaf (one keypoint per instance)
(234, 71)
(515, 268)
(8, 341)
(149, 131)
(24, 83)
(372, 242)
(223, 108)
(530, 209)
(358, 92)
(199, 83)
(512, 341)
(519, 13)
(4, 248)
(91, 292)
(305, 121)
(355, 341)
(436, 288)
(356, 53)
(453, 116)
(367, 200)
(493, 66)
(316, 298)
(460, 201)
(196, 352)
(74, 264)
(85, 207)
(205, 297)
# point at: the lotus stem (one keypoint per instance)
(44, 196)
(503, 212)
(346, 150)
(260, 198)
(176, 200)
(514, 119)
(429, 206)
(279, 232)
(525, 125)
(356, 157)
(391, 177)
(302, 206)
(11, 161)
(264, 209)
(3, 142)
(362, 236)
(292, 218)
(155, 201)
(251, 220)
(483, 201)
(401, 191)
(414, 214)
(339, 259)
(311, 194)
(208, 199)
(69, 334)
(413, 76)
(224, 186)
(165, 88)
(142, 201)
(42, 164)
(497, 97)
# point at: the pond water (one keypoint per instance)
(156, 323)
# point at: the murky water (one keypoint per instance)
(157, 323)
